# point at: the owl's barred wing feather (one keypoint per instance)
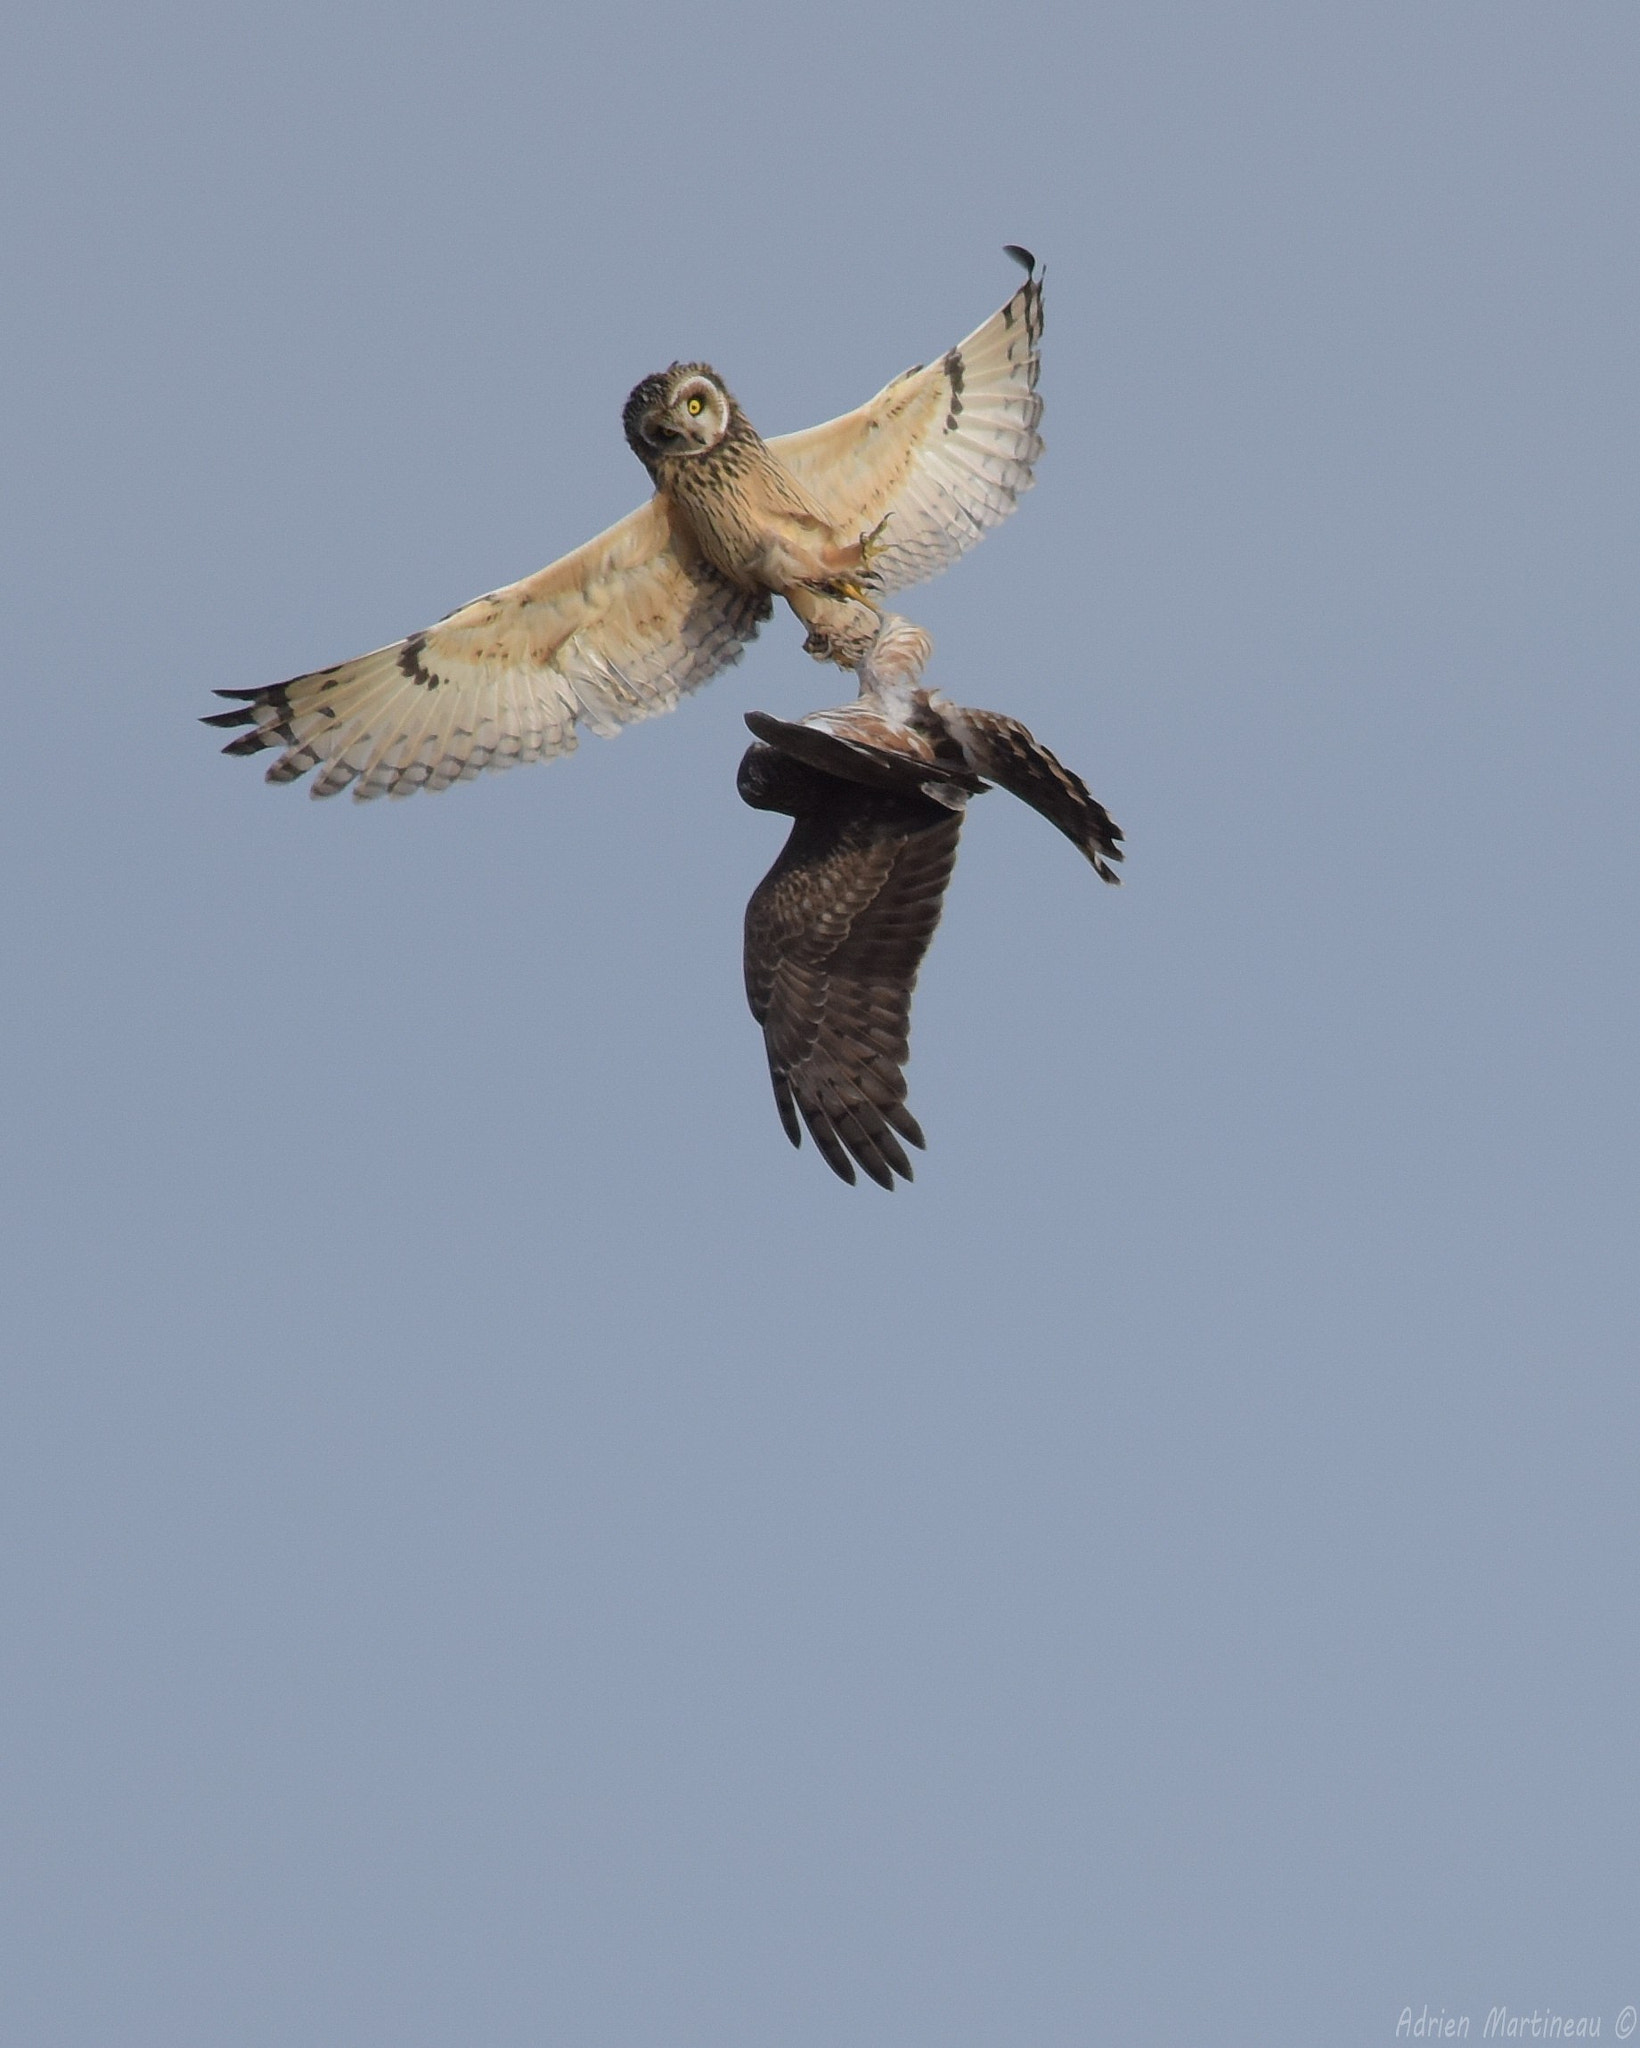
(941, 454)
(614, 632)
(835, 934)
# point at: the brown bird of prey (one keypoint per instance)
(620, 629)
(837, 929)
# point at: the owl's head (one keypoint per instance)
(683, 411)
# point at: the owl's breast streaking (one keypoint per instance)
(758, 526)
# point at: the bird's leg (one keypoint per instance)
(844, 570)
(854, 581)
(871, 544)
(841, 623)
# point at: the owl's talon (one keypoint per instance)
(871, 544)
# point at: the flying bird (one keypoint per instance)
(829, 519)
(837, 929)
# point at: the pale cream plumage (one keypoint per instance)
(941, 455)
(631, 621)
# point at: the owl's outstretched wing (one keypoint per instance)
(835, 934)
(941, 454)
(616, 631)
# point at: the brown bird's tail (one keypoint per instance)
(1005, 753)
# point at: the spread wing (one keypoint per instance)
(1017, 761)
(617, 631)
(941, 454)
(835, 934)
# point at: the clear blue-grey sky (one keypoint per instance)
(498, 1548)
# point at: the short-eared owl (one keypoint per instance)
(837, 929)
(620, 629)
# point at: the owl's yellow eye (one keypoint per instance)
(696, 405)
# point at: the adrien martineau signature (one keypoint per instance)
(1542, 2023)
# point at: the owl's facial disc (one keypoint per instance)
(682, 411)
(694, 417)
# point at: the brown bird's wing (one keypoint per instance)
(1006, 753)
(616, 631)
(941, 454)
(853, 760)
(835, 934)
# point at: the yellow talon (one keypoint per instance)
(871, 543)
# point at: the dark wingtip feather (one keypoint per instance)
(881, 1172)
(1105, 847)
(787, 1107)
(906, 1124)
(1022, 256)
(835, 1157)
